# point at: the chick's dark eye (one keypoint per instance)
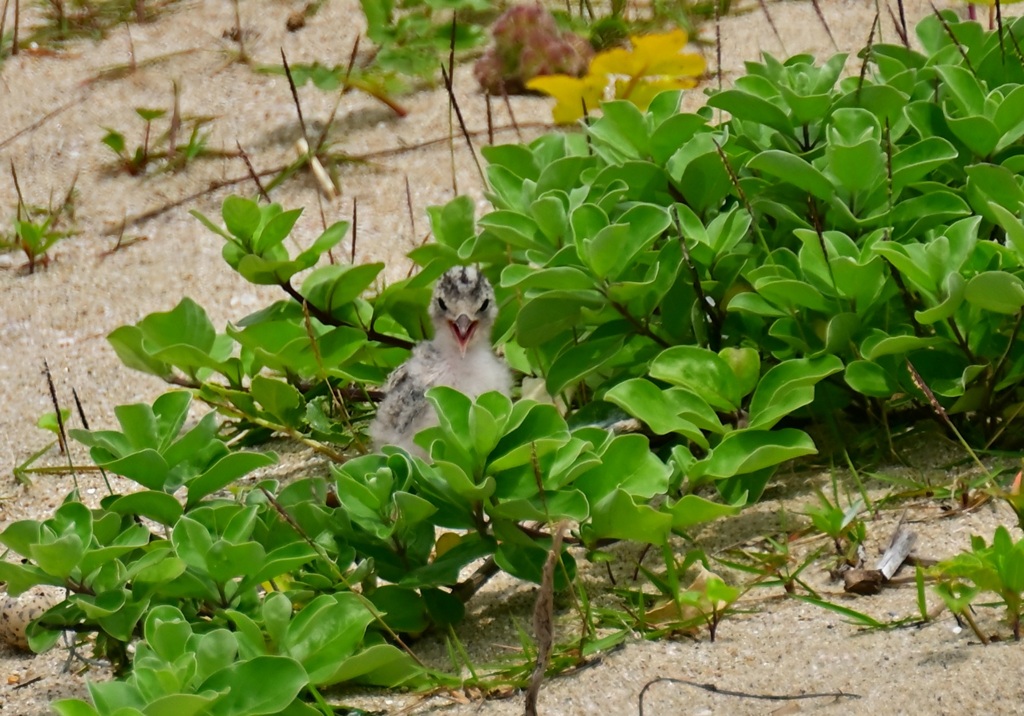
(440, 302)
(484, 305)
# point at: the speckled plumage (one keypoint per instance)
(459, 356)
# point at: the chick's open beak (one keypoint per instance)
(463, 328)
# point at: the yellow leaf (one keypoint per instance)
(659, 51)
(642, 93)
(445, 542)
(570, 93)
(657, 54)
(617, 61)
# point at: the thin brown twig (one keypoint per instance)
(949, 33)
(42, 120)
(511, 114)
(3, 24)
(172, 131)
(824, 22)
(714, 689)
(896, 24)
(868, 49)
(355, 229)
(408, 206)
(85, 424)
(252, 172)
(17, 190)
(771, 23)
(295, 99)
(326, 318)
(61, 431)
(17, 23)
(543, 620)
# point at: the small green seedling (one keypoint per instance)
(35, 239)
(36, 228)
(842, 526)
(998, 568)
(174, 156)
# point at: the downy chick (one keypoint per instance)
(459, 356)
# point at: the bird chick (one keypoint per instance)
(459, 356)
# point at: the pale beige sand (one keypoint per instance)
(63, 313)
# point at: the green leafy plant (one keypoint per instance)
(415, 35)
(174, 157)
(35, 239)
(843, 526)
(837, 246)
(63, 21)
(996, 567)
(37, 229)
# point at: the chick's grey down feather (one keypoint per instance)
(459, 356)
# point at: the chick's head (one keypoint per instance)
(463, 305)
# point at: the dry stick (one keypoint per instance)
(61, 432)
(712, 688)
(164, 208)
(942, 414)
(821, 16)
(252, 173)
(408, 206)
(952, 37)
(85, 424)
(464, 590)
(511, 114)
(490, 119)
(355, 228)
(311, 159)
(868, 49)
(17, 22)
(172, 131)
(328, 320)
(132, 67)
(543, 620)
(69, 197)
(999, 24)
(295, 97)
(451, 102)
(462, 124)
(896, 24)
(3, 23)
(17, 190)
(41, 121)
(904, 33)
(240, 36)
(771, 23)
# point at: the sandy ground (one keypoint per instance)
(63, 313)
